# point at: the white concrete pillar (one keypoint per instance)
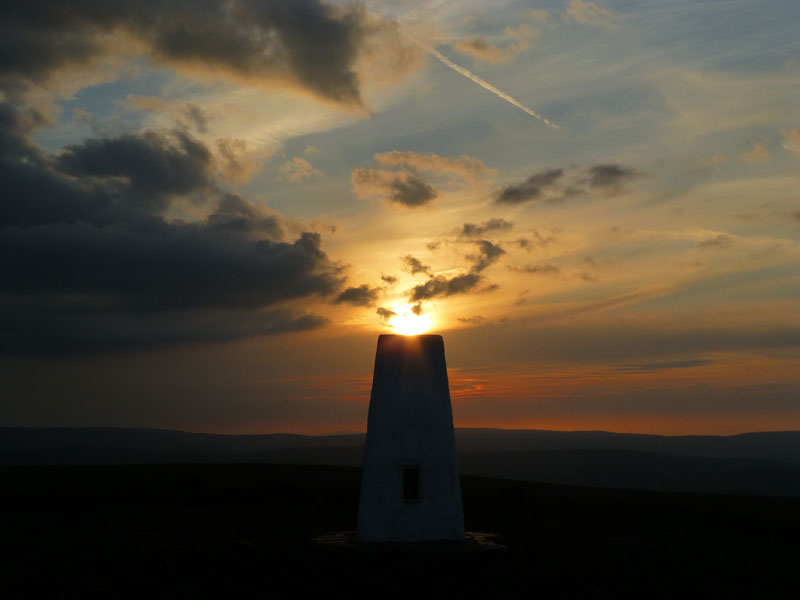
(410, 489)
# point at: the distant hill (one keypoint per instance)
(777, 445)
(111, 445)
(766, 463)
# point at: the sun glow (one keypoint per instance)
(406, 322)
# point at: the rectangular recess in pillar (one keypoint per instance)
(411, 487)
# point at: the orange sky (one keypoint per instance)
(595, 203)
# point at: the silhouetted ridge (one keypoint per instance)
(751, 463)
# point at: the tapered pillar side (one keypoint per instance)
(410, 426)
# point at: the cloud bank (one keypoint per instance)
(90, 258)
(306, 45)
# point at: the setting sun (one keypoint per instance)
(408, 323)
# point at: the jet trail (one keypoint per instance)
(481, 82)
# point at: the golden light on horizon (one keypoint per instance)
(407, 322)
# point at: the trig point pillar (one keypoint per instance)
(410, 489)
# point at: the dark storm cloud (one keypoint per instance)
(60, 330)
(306, 44)
(610, 176)
(530, 189)
(84, 248)
(414, 265)
(151, 164)
(363, 295)
(160, 267)
(440, 286)
(492, 225)
(234, 213)
(100, 181)
(488, 253)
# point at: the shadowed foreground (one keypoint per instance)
(166, 530)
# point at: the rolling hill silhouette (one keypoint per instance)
(766, 463)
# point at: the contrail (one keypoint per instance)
(481, 82)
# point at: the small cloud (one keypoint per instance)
(414, 265)
(610, 176)
(587, 13)
(488, 253)
(480, 49)
(385, 314)
(791, 140)
(362, 295)
(543, 269)
(537, 240)
(440, 286)
(719, 241)
(396, 187)
(471, 320)
(309, 150)
(796, 216)
(473, 230)
(756, 154)
(390, 279)
(298, 169)
(417, 309)
(530, 189)
(660, 366)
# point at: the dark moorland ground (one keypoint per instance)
(233, 530)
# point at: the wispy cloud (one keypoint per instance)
(587, 13)
(756, 154)
(665, 365)
(791, 140)
(298, 169)
(465, 167)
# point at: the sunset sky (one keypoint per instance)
(210, 210)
